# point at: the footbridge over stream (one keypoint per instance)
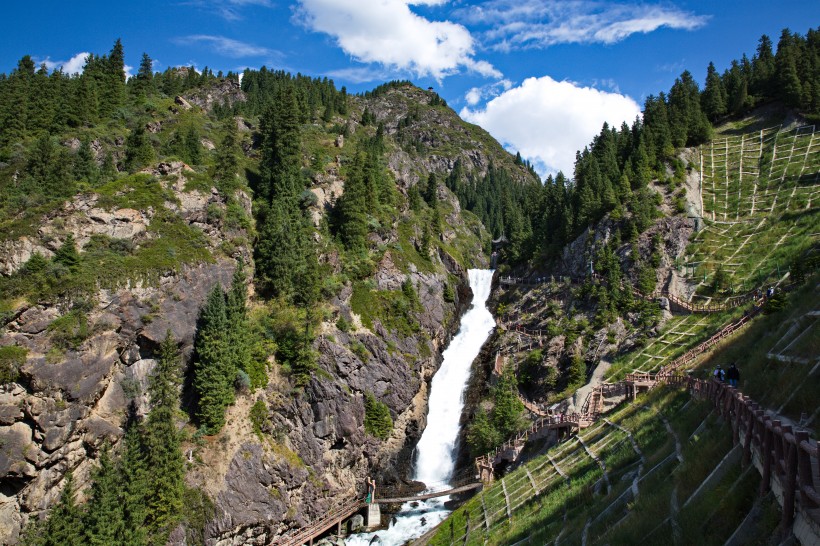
(371, 512)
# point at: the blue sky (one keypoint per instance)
(540, 75)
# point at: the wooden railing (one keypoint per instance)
(316, 528)
(593, 404)
(785, 455)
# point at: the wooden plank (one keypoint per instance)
(506, 498)
(532, 482)
(484, 507)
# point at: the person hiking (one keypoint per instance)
(733, 375)
(719, 374)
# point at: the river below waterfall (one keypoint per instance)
(435, 452)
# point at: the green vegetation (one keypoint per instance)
(139, 497)
(377, 419)
(394, 309)
(488, 429)
(225, 347)
(12, 358)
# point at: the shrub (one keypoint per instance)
(259, 417)
(377, 420)
(12, 358)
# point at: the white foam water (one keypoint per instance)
(435, 451)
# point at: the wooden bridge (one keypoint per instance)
(338, 515)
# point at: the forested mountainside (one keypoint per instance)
(222, 302)
(596, 252)
(643, 296)
(222, 298)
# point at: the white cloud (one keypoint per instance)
(477, 94)
(359, 74)
(389, 33)
(548, 121)
(230, 10)
(522, 24)
(473, 96)
(74, 65)
(226, 46)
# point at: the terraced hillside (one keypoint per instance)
(760, 216)
(759, 198)
(664, 466)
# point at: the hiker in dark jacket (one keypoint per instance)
(733, 375)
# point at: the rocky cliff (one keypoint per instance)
(87, 358)
(161, 240)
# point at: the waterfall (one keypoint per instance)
(435, 451)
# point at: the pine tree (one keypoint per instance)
(213, 373)
(64, 526)
(139, 152)
(166, 480)
(192, 146)
(281, 159)
(85, 167)
(713, 99)
(431, 191)
(67, 253)
(508, 410)
(143, 82)
(134, 474)
(227, 157)
(239, 329)
(104, 523)
(577, 371)
(352, 206)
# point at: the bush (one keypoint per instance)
(70, 330)
(259, 417)
(377, 420)
(449, 293)
(343, 325)
(12, 358)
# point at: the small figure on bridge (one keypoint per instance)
(371, 490)
(733, 375)
(719, 374)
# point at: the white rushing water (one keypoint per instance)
(435, 451)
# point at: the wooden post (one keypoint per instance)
(805, 478)
(791, 477)
(750, 428)
(767, 456)
(777, 442)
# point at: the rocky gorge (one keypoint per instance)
(85, 362)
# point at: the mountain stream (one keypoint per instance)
(435, 452)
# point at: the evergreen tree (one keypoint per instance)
(713, 99)
(67, 253)
(431, 191)
(104, 522)
(143, 82)
(192, 146)
(239, 328)
(139, 152)
(165, 487)
(85, 166)
(281, 160)
(227, 157)
(64, 526)
(352, 206)
(508, 410)
(135, 476)
(213, 370)
(577, 371)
